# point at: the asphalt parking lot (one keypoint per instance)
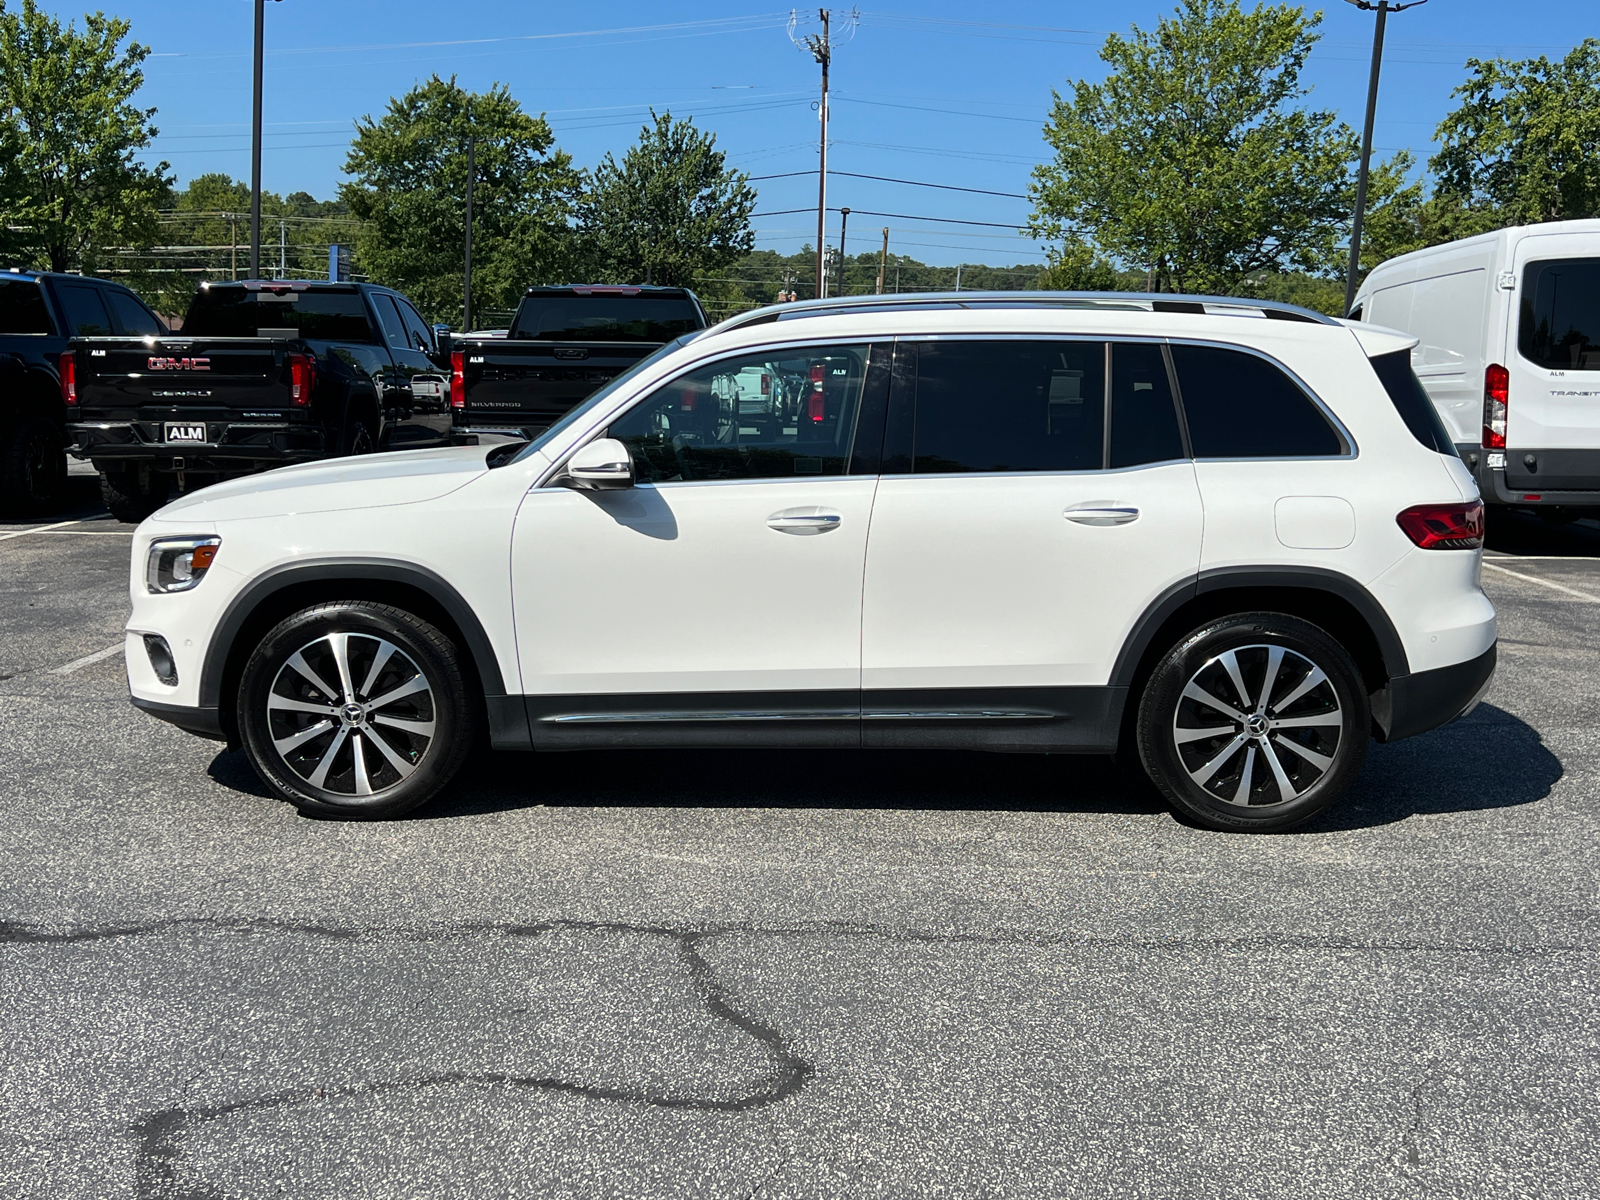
(776, 975)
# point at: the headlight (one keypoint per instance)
(177, 564)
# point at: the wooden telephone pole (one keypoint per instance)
(883, 260)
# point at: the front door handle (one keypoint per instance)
(1102, 514)
(804, 520)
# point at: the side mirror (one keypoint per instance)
(441, 339)
(601, 466)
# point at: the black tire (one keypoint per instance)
(33, 467)
(357, 439)
(130, 500)
(1205, 776)
(359, 744)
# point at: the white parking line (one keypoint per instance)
(5, 537)
(1560, 587)
(88, 660)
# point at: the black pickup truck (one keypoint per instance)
(263, 373)
(39, 312)
(564, 344)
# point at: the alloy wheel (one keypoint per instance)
(351, 714)
(1257, 726)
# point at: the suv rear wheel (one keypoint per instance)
(130, 498)
(355, 709)
(1254, 722)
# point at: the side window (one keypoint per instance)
(1144, 420)
(1241, 406)
(1009, 406)
(763, 415)
(417, 330)
(394, 330)
(1411, 400)
(85, 311)
(136, 320)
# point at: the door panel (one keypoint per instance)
(1554, 355)
(987, 581)
(688, 587)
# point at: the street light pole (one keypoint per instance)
(1383, 8)
(255, 148)
(844, 223)
(466, 268)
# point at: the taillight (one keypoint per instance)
(458, 379)
(1496, 389)
(1444, 526)
(302, 378)
(69, 378)
(816, 403)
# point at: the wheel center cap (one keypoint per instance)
(1255, 725)
(352, 713)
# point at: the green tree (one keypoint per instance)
(409, 180)
(672, 210)
(1192, 159)
(67, 98)
(1525, 139)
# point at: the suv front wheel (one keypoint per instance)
(1254, 722)
(354, 709)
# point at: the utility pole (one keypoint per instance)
(1383, 8)
(255, 149)
(844, 222)
(896, 274)
(958, 276)
(821, 48)
(233, 237)
(466, 277)
(883, 260)
(283, 249)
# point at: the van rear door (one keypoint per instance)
(1553, 355)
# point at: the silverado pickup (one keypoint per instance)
(263, 373)
(564, 344)
(39, 311)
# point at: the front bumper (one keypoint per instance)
(230, 446)
(1413, 704)
(203, 722)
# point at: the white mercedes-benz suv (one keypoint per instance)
(1231, 536)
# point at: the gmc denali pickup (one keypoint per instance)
(263, 373)
(39, 311)
(564, 344)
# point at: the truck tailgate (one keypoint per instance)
(122, 378)
(532, 384)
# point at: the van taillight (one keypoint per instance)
(69, 378)
(1496, 389)
(458, 379)
(1444, 526)
(816, 403)
(302, 378)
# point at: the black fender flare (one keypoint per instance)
(1314, 579)
(264, 587)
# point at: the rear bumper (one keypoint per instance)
(1414, 704)
(1554, 478)
(229, 445)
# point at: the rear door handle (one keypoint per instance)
(804, 520)
(1102, 514)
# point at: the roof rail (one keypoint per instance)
(1113, 301)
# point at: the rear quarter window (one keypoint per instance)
(86, 312)
(1240, 405)
(1411, 400)
(22, 307)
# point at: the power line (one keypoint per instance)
(949, 187)
(897, 216)
(949, 112)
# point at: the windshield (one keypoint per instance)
(605, 318)
(578, 413)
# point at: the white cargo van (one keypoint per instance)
(1509, 324)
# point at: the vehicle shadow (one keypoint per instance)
(1515, 532)
(1487, 760)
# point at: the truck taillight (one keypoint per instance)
(816, 403)
(1496, 391)
(458, 379)
(69, 378)
(1444, 526)
(302, 378)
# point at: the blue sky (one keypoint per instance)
(935, 92)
